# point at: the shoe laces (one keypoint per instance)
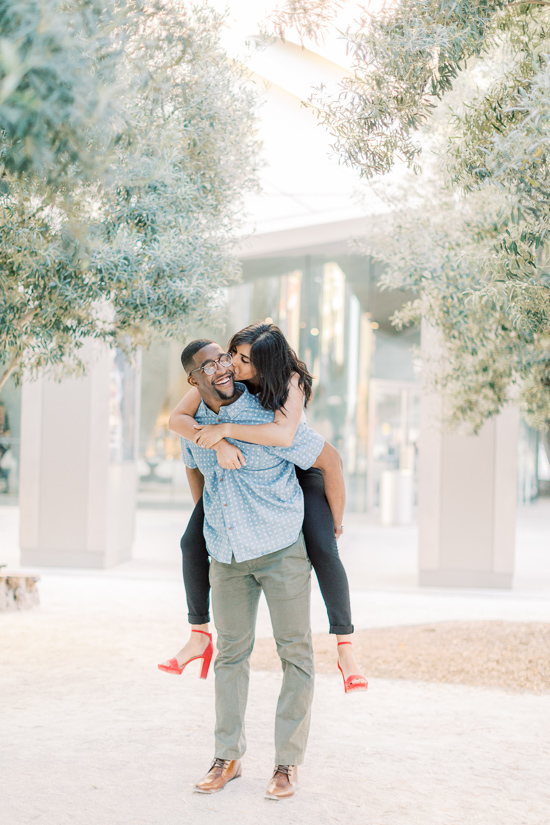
(284, 769)
(219, 763)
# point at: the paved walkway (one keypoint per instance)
(91, 732)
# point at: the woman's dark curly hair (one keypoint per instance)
(274, 361)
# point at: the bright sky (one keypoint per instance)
(246, 16)
(303, 183)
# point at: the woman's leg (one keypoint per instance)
(322, 550)
(195, 565)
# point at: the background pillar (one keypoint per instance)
(467, 501)
(78, 465)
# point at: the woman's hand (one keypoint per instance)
(338, 531)
(209, 435)
(229, 456)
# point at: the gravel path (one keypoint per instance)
(94, 734)
(512, 655)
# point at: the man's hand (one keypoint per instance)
(209, 435)
(229, 456)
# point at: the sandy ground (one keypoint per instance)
(92, 732)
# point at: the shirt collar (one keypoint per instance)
(232, 410)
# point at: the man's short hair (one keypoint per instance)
(189, 352)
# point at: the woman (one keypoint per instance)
(264, 360)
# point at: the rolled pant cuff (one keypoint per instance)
(341, 630)
(204, 619)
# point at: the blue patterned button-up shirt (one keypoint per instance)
(259, 508)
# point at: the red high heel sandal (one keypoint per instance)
(354, 683)
(173, 667)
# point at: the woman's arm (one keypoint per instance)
(279, 433)
(181, 421)
(182, 417)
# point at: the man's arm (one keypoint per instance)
(196, 482)
(330, 464)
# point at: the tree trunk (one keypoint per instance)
(8, 371)
(545, 438)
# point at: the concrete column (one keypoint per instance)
(78, 466)
(467, 501)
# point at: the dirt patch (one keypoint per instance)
(512, 655)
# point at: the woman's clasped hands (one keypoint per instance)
(209, 435)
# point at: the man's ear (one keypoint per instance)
(191, 380)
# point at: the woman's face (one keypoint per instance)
(242, 367)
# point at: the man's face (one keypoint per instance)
(217, 387)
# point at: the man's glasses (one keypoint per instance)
(209, 367)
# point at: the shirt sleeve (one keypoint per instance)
(187, 454)
(304, 450)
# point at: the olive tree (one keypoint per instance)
(124, 230)
(474, 247)
(57, 92)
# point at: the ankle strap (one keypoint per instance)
(344, 643)
(204, 633)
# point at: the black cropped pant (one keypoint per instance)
(321, 547)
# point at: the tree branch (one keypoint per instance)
(307, 17)
(28, 316)
(528, 3)
(10, 369)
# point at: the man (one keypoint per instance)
(253, 519)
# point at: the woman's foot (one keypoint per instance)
(348, 662)
(195, 646)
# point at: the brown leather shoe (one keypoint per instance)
(283, 782)
(221, 772)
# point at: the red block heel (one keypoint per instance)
(173, 667)
(354, 683)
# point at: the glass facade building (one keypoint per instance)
(366, 396)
